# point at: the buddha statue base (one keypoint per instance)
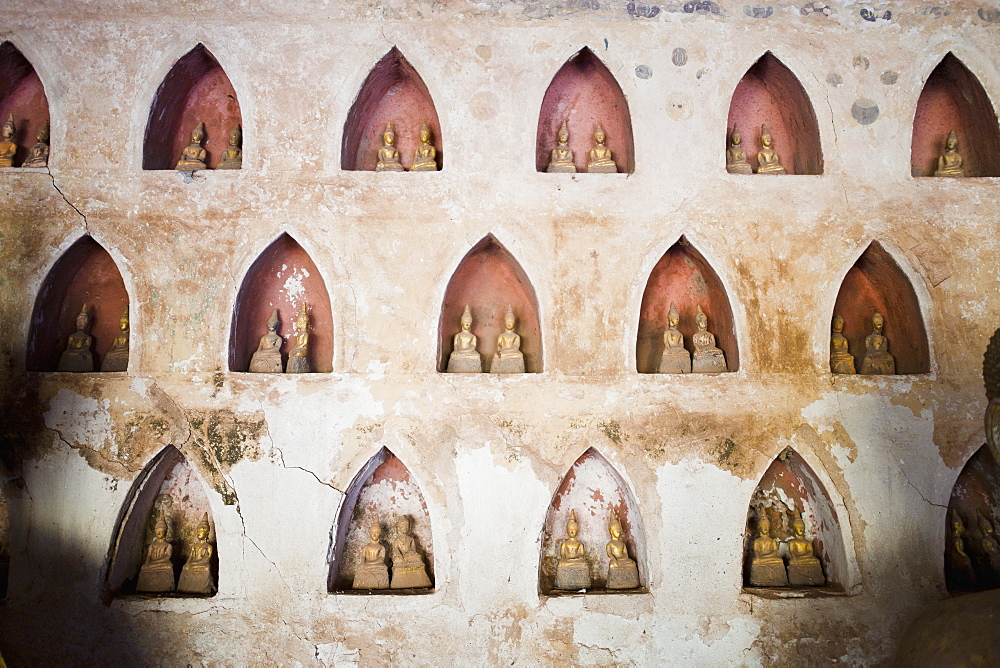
(624, 576)
(265, 362)
(842, 364)
(77, 361)
(409, 576)
(231, 164)
(772, 169)
(190, 165)
(389, 167)
(770, 574)
(572, 576)
(196, 582)
(561, 168)
(807, 573)
(115, 361)
(507, 364)
(298, 364)
(950, 173)
(155, 581)
(424, 167)
(739, 168)
(602, 168)
(675, 361)
(709, 362)
(371, 577)
(41, 162)
(875, 365)
(465, 364)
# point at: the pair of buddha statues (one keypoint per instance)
(157, 572)
(194, 156)
(508, 358)
(78, 357)
(573, 569)
(964, 571)
(267, 358)
(877, 360)
(768, 567)
(424, 157)
(408, 570)
(707, 357)
(38, 155)
(768, 161)
(561, 157)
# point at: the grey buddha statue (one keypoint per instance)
(675, 358)
(841, 361)
(372, 573)
(877, 358)
(623, 573)
(116, 359)
(38, 155)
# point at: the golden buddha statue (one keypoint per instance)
(508, 358)
(561, 158)
(8, 149)
(804, 568)
(372, 573)
(193, 156)
(408, 570)
(388, 156)
(707, 358)
(464, 357)
(38, 155)
(77, 356)
(767, 158)
(196, 576)
(572, 571)
(232, 157)
(675, 358)
(267, 359)
(877, 359)
(841, 361)
(157, 572)
(767, 569)
(116, 359)
(298, 357)
(622, 571)
(425, 157)
(736, 157)
(989, 545)
(950, 163)
(957, 561)
(600, 155)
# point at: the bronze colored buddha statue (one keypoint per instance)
(950, 163)
(804, 568)
(298, 356)
(600, 155)
(38, 155)
(388, 156)
(767, 159)
(877, 359)
(957, 561)
(561, 158)
(508, 358)
(157, 572)
(77, 356)
(841, 361)
(267, 359)
(675, 358)
(464, 357)
(408, 570)
(988, 544)
(193, 156)
(372, 573)
(572, 571)
(116, 359)
(736, 157)
(8, 149)
(425, 157)
(196, 576)
(232, 157)
(623, 573)
(767, 569)
(707, 358)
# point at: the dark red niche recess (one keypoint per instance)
(683, 276)
(282, 277)
(876, 284)
(85, 274)
(195, 90)
(21, 94)
(953, 99)
(489, 279)
(392, 91)
(975, 496)
(584, 92)
(771, 95)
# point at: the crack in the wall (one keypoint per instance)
(83, 216)
(937, 505)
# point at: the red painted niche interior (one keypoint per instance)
(21, 94)
(975, 497)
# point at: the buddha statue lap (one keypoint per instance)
(600, 155)
(388, 156)
(232, 157)
(77, 356)
(267, 359)
(804, 569)
(8, 149)
(508, 358)
(298, 356)
(958, 564)
(767, 159)
(464, 357)
(623, 573)
(38, 155)
(561, 158)
(194, 155)
(572, 571)
(707, 358)
(877, 359)
(425, 157)
(408, 570)
(675, 358)
(116, 359)
(196, 576)
(950, 162)
(736, 157)
(157, 572)
(372, 573)
(841, 361)
(767, 568)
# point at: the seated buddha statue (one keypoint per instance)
(8, 149)
(408, 570)
(675, 358)
(232, 157)
(736, 157)
(958, 565)
(298, 356)
(622, 570)
(600, 155)
(193, 156)
(572, 571)
(508, 358)
(196, 576)
(561, 158)
(157, 572)
(116, 359)
(950, 163)
(804, 568)
(707, 358)
(877, 359)
(989, 546)
(841, 361)
(267, 358)
(767, 158)
(77, 356)
(38, 155)
(425, 157)
(388, 156)
(372, 573)
(464, 357)
(767, 568)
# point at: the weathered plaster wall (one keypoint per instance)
(489, 452)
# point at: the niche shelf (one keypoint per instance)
(954, 99)
(195, 90)
(584, 92)
(876, 284)
(21, 94)
(85, 274)
(392, 91)
(770, 94)
(975, 499)
(489, 279)
(171, 487)
(384, 489)
(683, 276)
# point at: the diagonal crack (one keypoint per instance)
(903, 471)
(55, 185)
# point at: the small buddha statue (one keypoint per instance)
(989, 545)
(425, 157)
(116, 359)
(950, 162)
(736, 157)
(196, 576)
(372, 573)
(804, 568)
(572, 571)
(408, 570)
(767, 569)
(877, 359)
(561, 158)
(707, 358)
(8, 149)
(767, 158)
(622, 571)
(193, 156)
(232, 157)
(508, 358)
(267, 359)
(464, 357)
(298, 357)
(388, 156)
(600, 155)
(841, 361)
(38, 155)
(957, 561)
(157, 572)
(676, 358)
(77, 356)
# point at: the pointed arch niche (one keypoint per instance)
(171, 487)
(489, 279)
(392, 91)
(769, 94)
(683, 276)
(21, 94)
(876, 284)
(384, 490)
(976, 500)
(85, 275)
(953, 99)
(584, 92)
(593, 489)
(282, 277)
(195, 90)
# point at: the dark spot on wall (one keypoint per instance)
(612, 429)
(642, 11)
(834, 79)
(861, 62)
(679, 57)
(864, 111)
(643, 72)
(758, 11)
(703, 7)
(889, 77)
(872, 16)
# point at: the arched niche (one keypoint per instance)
(21, 94)
(953, 99)
(684, 277)
(593, 489)
(392, 91)
(584, 92)
(195, 90)
(769, 94)
(488, 280)
(876, 284)
(383, 490)
(975, 499)
(283, 277)
(790, 489)
(169, 487)
(85, 275)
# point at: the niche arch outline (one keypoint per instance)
(975, 472)
(47, 76)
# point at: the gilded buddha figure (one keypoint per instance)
(561, 158)
(572, 571)
(196, 576)
(841, 361)
(408, 570)
(767, 159)
(38, 155)
(298, 356)
(622, 571)
(388, 156)
(736, 157)
(767, 568)
(116, 359)
(957, 561)
(8, 149)
(425, 156)
(877, 358)
(675, 358)
(464, 357)
(372, 573)
(950, 162)
(232, 157)
(193, 156)
(707, 358)
(157, 572)
(267, 359)
(508, 358)
(988, 544)
(803, 566)
(600, 155)
(77, 356)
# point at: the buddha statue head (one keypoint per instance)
(198, 134)
(236, 136)
(388, 135)
(572, 528)
(509, 320)
(563, 135)
(302, 319)
(402, 525)
(799, 527)
(466, 319)
(123, 320)
(701, 319)
(614, 526)
(838, 324)
(951, 143)
(878, 322)
(160, 528)
(272, 322)
(204, 528)
(375, 530)
(674, 316)
(763, 526)
(425, 133)
(82, 319)
(43, 133)
(765, 137)
(736, 138)
(8, 128)
(599, 136)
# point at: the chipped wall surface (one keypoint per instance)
(277, 453)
